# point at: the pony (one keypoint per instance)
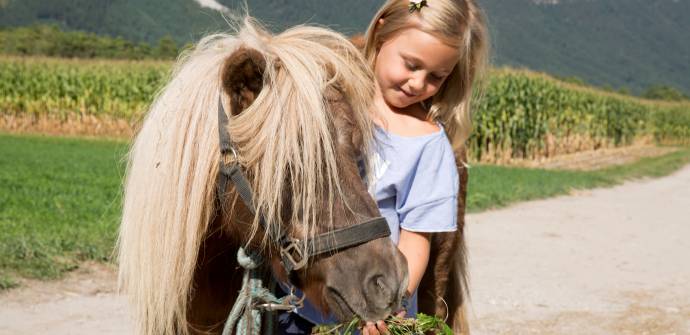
(299, 115)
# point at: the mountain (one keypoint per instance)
(616, 43)
(184, 20)
(619, 43)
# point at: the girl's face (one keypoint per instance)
(411, 66)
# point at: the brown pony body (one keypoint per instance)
(298, 114)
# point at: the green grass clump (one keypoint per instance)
(7, 282)
(59, 203)
(423, 324)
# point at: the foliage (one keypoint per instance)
(423, 324)
(7, 282)
(525, 115)
(49, 40)
(571, 79)
(184, 20)
(671, 124)
(37, 86)
(664, 92)
(602, 42)
(521, 115)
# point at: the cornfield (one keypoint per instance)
(60, 87)
(527, 115)
(521, 114)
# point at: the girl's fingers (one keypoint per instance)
(370, 328)
(381, 325)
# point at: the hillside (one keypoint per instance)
(620, 43)
(616, 43)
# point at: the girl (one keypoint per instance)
(426, 55)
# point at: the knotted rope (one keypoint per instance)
(245, 314)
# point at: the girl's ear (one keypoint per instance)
(380, 22)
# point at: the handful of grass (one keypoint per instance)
(423, 324)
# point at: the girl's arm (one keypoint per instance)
(416, 247)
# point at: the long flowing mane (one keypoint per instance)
(285, 135)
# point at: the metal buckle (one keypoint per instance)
(270, 306)
(289, 303)
(294, 254)
(229, 150)
(293, 300)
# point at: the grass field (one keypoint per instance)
(59, 203)
(60, 198)
(492, 186)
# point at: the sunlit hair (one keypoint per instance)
(285, 136)
(458, 23)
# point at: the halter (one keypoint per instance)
(292, 250)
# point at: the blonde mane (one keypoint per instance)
(285, 136)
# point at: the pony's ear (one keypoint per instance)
(242, 77)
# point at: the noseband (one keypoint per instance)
(292, 250)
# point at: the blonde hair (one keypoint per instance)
(458, 23)
(285, 142)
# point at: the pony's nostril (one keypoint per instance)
(380, 284)
(380, 292)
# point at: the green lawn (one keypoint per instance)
(497, 186)
(60, 198)
(59, 203)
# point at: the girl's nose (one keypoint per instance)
(416, 85)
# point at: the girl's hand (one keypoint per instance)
(379, 328)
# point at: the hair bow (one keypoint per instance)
(417, 5)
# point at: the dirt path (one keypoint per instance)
(606, 261)
(83, 303)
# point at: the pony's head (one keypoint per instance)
(298, 108)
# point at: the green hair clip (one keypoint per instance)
(417, 5)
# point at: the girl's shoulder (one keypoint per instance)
(421, 135)
(411, 154)
(411, 123)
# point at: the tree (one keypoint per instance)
(166, 48)
(664, 92)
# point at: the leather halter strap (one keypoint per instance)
(291, 249)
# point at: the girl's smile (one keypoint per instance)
(411, 66)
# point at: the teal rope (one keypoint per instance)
(252, 289)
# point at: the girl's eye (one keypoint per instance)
(410, 66)
(435, 77)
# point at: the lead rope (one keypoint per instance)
(245, 314)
